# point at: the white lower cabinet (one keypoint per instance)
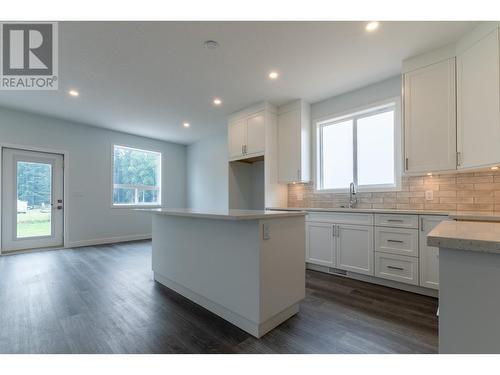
(429, 255)
(388, 246)
(335, 243)
(355, 248)
(320, 245)
(397, 268)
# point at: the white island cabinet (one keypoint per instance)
(244, 266)
(469, 275)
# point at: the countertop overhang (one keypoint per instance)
(223, 214)
(466, 235)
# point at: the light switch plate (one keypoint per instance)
(266, 232)
(429, 195)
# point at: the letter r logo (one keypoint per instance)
(27, 49)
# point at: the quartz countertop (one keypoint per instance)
(223, 214)
(454, 215)
(466, 235)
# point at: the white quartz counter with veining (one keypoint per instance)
(223, 214)
(466, 235)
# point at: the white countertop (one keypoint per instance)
(466, 235)
(455, 215)
(223, 214)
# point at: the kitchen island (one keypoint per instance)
(469, 283)
(245, 266)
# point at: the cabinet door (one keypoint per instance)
(320, 244)
(478, 103)
(429, 118)
(256, 134)
(354, 245)
(237, 138)
(429, 255)
(289, 147)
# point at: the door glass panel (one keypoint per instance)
(34, 198)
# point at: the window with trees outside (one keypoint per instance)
(361, 147)
(136, 177)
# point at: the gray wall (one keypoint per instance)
(351, 100)
(207, 174)
(91, 219)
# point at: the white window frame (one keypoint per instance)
(356, 114)
(132, 186)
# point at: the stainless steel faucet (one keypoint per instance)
(353, 200)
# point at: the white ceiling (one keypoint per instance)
(146, 78)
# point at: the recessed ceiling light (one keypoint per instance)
(273, 75)
(211, 44)
(217, 101)
(73, 93)
(371, 26)
(186, 124)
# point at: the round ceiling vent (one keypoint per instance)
(211, 44)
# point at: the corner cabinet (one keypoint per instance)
(429, 118)
(294, 124)
(478, 103)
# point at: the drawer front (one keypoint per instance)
(399, 241)
(397, 268)
(398, 221)
(341, 218)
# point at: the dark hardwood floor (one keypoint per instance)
(103, 300)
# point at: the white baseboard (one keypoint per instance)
(109, 240)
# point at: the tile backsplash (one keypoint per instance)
(476, 191)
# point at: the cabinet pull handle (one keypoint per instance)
(298, 175)
(395, 220)
(397, 241)
(406, 164)
(459, 156)
(333, 230)
(242, 150)
(421, 224)
(396, 268)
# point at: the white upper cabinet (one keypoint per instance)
(294, 124)
(237, 138)
(256, 134)
(429, 118)
(478, 103)
(247, 136)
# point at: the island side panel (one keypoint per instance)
(282, 264)
(469, 302)
(213, 261)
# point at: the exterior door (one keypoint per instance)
(32, 200)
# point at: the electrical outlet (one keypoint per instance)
(429, 195)
(266, 232)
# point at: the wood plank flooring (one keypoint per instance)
(103, 300)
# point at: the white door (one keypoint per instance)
(256, 134)
(429, 255)
(429, 117)
(32, 200)
(478, 103)
(237, 138)
(289, 147)
(320, 244)
(355, 249)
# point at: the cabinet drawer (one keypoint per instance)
(397, 268)
(341, 218)
(395, 220)
(399, 241)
